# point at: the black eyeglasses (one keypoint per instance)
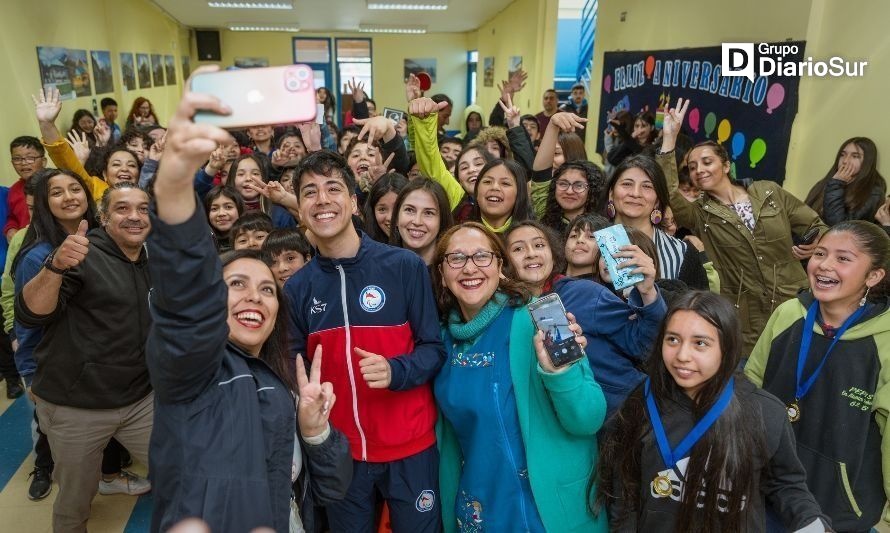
(480, 259)
(578, 186)
(28, 160)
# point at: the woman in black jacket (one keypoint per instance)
(853, 189)
(224, 445)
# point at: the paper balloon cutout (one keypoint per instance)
(710, 123)
(732, 173)
(738, 144)
(774, 97)
(607, 83)
(693, 119)
(650, 66)
(723, 130)
(758, 150)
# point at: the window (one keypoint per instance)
(472, 65)
(315, 52)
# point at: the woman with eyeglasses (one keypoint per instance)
(517, 436)
(638, 197)
(574, 187)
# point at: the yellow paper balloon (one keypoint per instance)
(723, 130)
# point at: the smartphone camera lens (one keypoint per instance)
(302, 74)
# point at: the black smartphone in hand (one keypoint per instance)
(549, 316)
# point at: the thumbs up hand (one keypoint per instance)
(73, 249)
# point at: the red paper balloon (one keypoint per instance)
(650, 66)
(425, 81)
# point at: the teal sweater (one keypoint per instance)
(559, 415)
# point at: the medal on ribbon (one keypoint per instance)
(661, 484)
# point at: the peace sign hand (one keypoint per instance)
(511, 112)
(673, 121)
(316, 398)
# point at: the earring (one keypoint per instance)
(610, 210)
(864, 296)
(655, 216)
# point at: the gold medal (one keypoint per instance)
(793, 410)
(661, 485)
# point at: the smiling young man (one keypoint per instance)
(91, 382)
(371, 308)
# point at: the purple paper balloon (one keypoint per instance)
(607, 83)
(774, 97)
(693, 119)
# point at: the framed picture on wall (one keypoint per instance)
(170, 70)
(417, 65)
(186, 68)
(128, 71)
(394, 115)
(515, 65)
(101, 61)
(143, 67)
(488, 71)
(79, 72)
(157, 70)
(52, 62)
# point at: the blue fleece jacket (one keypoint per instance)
(619, 334)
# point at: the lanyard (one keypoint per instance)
(804, 387)
(671, 456)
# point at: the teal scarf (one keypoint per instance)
(467, 332)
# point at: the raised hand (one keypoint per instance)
(375, 369)
(357, 90)
(544, 357)
(311, 133)
(376, 171)
(102, 132)
(157, 148)
(673, 121)
(511, 112)
(79, 144)
(316, 399)
(423, 107)
(74, 248)
(644, 264)
(375, 128)
(47, 105)
(567, 122)
(412, 88)
(273, 190)
(217, 161)
(517, 80)
(282, 159)
(506, 90)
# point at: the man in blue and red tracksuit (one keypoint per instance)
(371, 308)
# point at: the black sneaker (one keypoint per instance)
(41, 485)
(14, 388)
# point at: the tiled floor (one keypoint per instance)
(110, 514)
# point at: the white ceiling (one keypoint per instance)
(336, 15)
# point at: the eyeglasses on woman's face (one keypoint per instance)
(577, 186)
(481, 259)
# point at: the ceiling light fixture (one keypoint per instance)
(288, 28)
(369, 28)
(253, 5)
(408, 6)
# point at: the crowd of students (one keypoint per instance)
(307, 327)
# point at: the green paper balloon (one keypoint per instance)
(758, 150)
(710, 123)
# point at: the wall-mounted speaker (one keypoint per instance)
(207, 42)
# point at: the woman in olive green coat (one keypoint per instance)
(746, 228)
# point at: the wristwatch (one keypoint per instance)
(48, 264)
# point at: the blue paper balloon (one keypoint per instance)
(738, 144)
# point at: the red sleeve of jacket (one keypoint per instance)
(17, 215)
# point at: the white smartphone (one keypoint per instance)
(259, 96)
(549, 316)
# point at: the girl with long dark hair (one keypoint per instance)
(421, 213)
(379, 210)
(697, 447)
(823, 355)
(853, 189)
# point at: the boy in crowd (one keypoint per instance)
(109, 113)
(250, 230)
(28, 156)
(290, 252)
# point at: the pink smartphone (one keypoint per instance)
(259, 96)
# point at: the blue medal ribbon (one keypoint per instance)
(804, 387)
(672, 456)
